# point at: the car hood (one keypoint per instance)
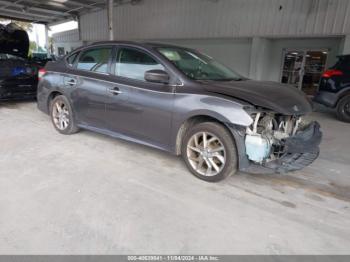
(14, 40)
(282, 98)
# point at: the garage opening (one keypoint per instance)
(304, 68)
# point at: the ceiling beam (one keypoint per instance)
(69, 4)
(89, 6)
(57, 22)
(28, 8)
(36, 11)
(27, 14)
(16, 18)
(75, 6)
(25, 18)
(53, 4)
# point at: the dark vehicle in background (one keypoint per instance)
(41, 59)
(181, 101)
(18, 75)
(334, 88)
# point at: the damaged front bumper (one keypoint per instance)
(300, 151)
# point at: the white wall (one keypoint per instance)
(68, 46)
(94, 26)
(345, 45)
(66, 36)
(247, 35)
(69, 40)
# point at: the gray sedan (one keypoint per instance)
(181, 101)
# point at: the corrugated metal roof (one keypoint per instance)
(47, 11)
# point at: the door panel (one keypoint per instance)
(143, 114)
(89, 97)
(147, 114)
(118, 109)
(152, 114)
(89, 83)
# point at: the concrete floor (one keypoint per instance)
(91, 194)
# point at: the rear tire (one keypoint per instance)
(209, 151)
(343, 109)
(62, 116)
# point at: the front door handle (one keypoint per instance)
(115, 91)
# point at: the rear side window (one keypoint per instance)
(71, 59)
(95, 60)
(133, 63)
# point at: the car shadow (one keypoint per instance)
(326, 112)
(14, 104)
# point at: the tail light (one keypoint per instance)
(41, 73)
(332, 72)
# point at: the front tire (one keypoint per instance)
(209, 151)
(62, 115)
(343, 109)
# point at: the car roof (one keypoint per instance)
(136, 43)
(131, 43)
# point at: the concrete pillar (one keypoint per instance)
(110, 18)
(345, 46)
(259, 58)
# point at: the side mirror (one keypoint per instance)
(157, 76)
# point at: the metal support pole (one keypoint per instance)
(110, 18)
(47, 42)
(79, 28)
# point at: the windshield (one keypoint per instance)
(198, 66)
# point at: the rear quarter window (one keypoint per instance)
(71, 59)
(95, 60)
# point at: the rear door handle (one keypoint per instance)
(115, 91)
(71, 82)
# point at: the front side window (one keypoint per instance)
(95, 60)
(198, 66)
(133, 64)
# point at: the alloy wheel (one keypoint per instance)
(60, 114)
(206, 153)
(347, 109)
